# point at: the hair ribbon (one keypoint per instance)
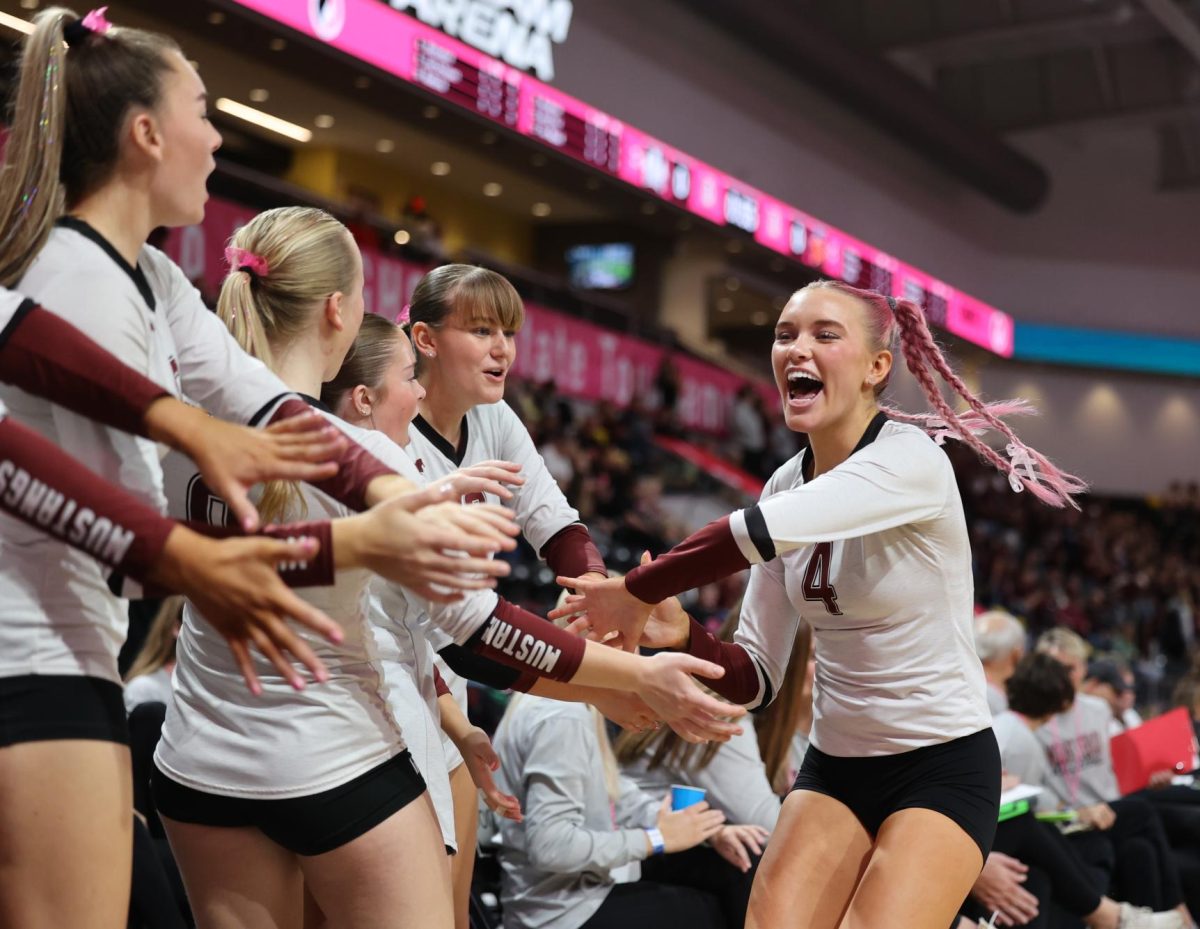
(239, 259)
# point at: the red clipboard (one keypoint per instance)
(1165, 743)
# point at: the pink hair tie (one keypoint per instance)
(96, 21)
(239, 259)
(402, 319)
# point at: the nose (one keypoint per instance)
(217, 141)
(420, 391)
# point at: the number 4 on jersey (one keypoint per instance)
(816, 579)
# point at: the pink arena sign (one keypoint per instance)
(371, 32)
(584, 360)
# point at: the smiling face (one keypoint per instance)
(399, 394)
(825, 366)
(186, 141)
(473, 354)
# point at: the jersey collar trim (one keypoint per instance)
(134, 272)
(439, 442)
(870, 435)
(315, 402)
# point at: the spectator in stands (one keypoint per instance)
(1106, 679)
(1000, 644)
(582, 823)
(149, 678)
(1080, 777)
(733, 773)
(1031, 864)
(748, 430)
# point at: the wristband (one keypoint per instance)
(657, 845)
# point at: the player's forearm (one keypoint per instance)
(47, 356)
(704, 557)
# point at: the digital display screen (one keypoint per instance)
(601, 267)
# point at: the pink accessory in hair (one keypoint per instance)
(239, 259)
(96, 21)
(402, 319)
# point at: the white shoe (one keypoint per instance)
(1141, 917)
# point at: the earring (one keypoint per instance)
(362, 410)
(430, 353)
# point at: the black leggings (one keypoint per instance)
(1042, 846)
(703, 869)
(1136, 853)
(646, 905)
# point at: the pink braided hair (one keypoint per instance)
(1024, 466)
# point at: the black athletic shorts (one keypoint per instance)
(46, 707)
(309, 825)
(959, 779)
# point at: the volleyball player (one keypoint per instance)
(863, 536)
(109, 126)
(316, 784)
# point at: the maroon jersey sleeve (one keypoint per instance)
(46, 488)
(47, 356)
(705, 556)
(740, 683)
(356, 467)
(571, 552)
(523, 640)
(439, 683)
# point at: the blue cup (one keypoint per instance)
(682, 796)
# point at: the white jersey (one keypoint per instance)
(494, 432)
(59, 614)
(874, 556)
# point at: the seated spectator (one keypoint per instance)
(1031, 865)
(149, 678)
(1107, 680)
(1000, 644)
(732, 773)
(583, 822)
(1080, 777)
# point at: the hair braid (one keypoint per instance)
(1025, 467)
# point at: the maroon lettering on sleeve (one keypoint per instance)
(48, 489)
(740, 683)
(43, 354)
(571, 552)
(440, 687)
(705, 556)
(523, 640)
(356, 467)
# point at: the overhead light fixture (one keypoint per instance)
(724, 305)
(215, 18)
(259, 95)
(440, 168)
(541, 208)
(323, 121)
(15, 23)
(760, 318)
(383, 146)
(277, 44)
(401, 237)
(732, 283)
(29, 4)
(431, 112)
(265, 120)
(492, 189)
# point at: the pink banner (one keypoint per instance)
(584, 360)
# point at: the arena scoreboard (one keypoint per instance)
(372, 32)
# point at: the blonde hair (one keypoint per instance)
(366, 363)
(69, 107)
(308, 255)
(1065, 642)
(776, 725)
(159, 647)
